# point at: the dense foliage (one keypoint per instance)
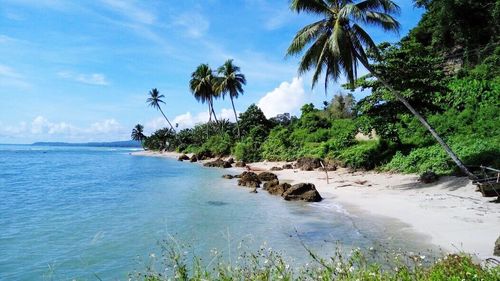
(447, 68)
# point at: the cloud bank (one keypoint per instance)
(287, 98)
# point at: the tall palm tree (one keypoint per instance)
(202, 86)
(138, 133)
(154, 100)
(337, 42)
(231, 82)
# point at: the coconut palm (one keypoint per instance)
(138, 133)
(202, 87)
(337, 43)
(154, 100)
(231, 82)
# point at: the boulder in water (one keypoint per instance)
(183, 157)
(249, 179)
(275, 188)
(228, 177)
(193, 159)
(302, 191)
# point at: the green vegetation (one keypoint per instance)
(444, 75)
(356, 265)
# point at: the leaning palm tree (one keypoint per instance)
(202, 87)
(337, 42)
(138, 133)
(231, 82)
(154, 100)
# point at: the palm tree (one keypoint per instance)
(202, 86)
(337, 42)
(154, 101)
(231, 82)
(138, 133)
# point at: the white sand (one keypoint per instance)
(450, 212)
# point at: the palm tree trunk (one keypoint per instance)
(236, 118)
(422, 120)
(167, 119)
(213, 111)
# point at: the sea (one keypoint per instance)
(105, 214)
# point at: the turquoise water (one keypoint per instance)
(80, 212)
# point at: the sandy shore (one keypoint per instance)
(449, 212)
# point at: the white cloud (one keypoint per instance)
(187, 120)
(131, 11)
(10, 77)
(194, 24)
(91, 79)
(287, 98)
(105, 127)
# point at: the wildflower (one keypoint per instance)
(422, 257)
(351, 269)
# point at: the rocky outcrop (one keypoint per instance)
(428, 177)
(219, 163)
(230, 160)
(275, 188)
(496, 251)
(240, 164)
(302, 191)
(193, 159)
(267, 176)
(329, 166)
(228, 177)
(249, 179)
(308, 163)
(276, 169)
(287, 166)
(183, 157)
(204, 155)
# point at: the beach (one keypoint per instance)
(449, 212)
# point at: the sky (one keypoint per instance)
(79, 71)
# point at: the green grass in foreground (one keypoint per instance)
(269, 265)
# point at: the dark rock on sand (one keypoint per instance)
(267, 176)
(183, 157)
(276, 169)
(240, 164)
(329, 166)
(274, 188)
(302, 191)
(288, 166)
(219, 163)
(230, 160)
(308, 163)
(193, 158)
(204, 155)
(496, 251)
(249, 179)
(228, 177)
(428, 177)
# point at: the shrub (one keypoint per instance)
(219, 145)
(365, 155)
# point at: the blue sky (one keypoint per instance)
(80, 70)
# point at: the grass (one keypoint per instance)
(266, 264)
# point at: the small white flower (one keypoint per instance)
(351, 269)
(422, 257)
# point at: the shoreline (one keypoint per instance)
(450, 212)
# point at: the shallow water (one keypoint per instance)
(69, 212)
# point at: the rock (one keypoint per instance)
(428, 177)
(219, 163)
(204, 155)
(267, 176)
(240, 164)
(302, 191)
(193, 159)
(329, 166)
(228, 177)
(287, 166)
(183, 157)
(270, 184)
(308, 163)
(276, 189)
(253, 190)
(249, 179)
(276, 169)
(230, 160)
(496, 251)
